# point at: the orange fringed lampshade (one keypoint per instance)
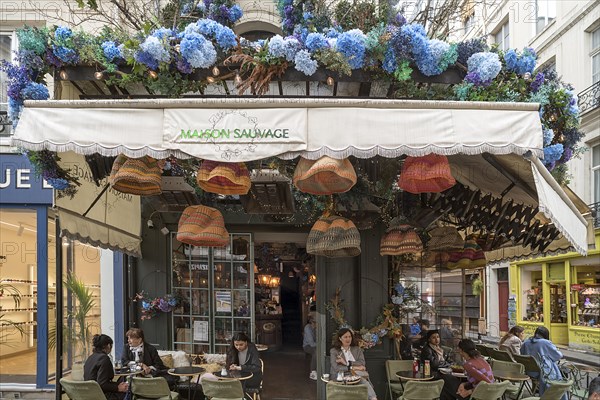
(333, 236)
(223, 178)
(139, 176)
(324, 176)
(427, 174)
(400, 240)
(202, 226)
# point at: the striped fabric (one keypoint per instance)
(400, 240)
(471, 256)
(139, 176)
(324, 176)
(333, 237)
(427, 174)
(223, 178)
(202, 226)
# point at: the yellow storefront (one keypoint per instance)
(561, 293)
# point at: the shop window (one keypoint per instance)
(558, 303)
(585, 296)
(532, 304)
(215, 288)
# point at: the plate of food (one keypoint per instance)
(351, 379)
(445, 370)
(457, 368)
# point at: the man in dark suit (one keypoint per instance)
(143, 353)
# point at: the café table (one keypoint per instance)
(412, 376)
(189, 372)
(342, 382)
(127, 373)
(234, 375)
(262, 347)
(513, 377)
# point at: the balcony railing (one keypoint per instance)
(5, 124)
(595, 207)
(589, 99)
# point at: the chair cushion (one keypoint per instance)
(174, 396)
(167, 359)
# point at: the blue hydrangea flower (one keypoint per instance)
(315, 41)
(58, 183)
(226, 38)
(163, 33)
(537, 82)
(352, 45)
(208, 27)
(399, 289)
(511, 58)
(389, 61)
(552, 154)
(111, 51)
(307, 15)
(291, 46)
(154, 47)
(483, 68)
(235, 13)
(304, 63)
(15, 106)
(62, 34)
(548, 136)
(147, 59)
(572, 107)
(277, 46)
(66, 55)
(198, 51)
(35, 91)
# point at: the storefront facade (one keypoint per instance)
(561, 293)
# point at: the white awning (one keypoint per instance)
(235, 129)
(225, 129)
(98, 215)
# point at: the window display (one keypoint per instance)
(558, 303)
(587, 305)
(532, 305)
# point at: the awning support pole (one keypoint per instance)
(96, 200)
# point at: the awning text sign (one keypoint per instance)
(235, 134)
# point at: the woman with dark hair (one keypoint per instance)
(433, 352)
(346, 354)
(476, 369)
(243, 356)
(99, 368)
(545, 352)
(513, 340)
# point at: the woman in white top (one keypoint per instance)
(513, 340)
(346, 352)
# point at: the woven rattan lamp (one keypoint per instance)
(324, 176)
(427, 174)
(223, 178)
(202, 226)
(400, 240)
(445, 238)
(139, 176)
(333, 236)
(471, 256)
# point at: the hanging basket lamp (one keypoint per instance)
(138, 176)
(471, 256)
(427, 174)
(202, 226)
(400, 240)
(223, 178)
(333, 236)
(445, 238)
(324, 176)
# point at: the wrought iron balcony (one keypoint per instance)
(589, 99)
(595, 207)
(5, 124)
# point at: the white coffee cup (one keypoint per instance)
(326, 377)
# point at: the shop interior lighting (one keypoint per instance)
(275, 280)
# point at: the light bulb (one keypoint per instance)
(152, 74)
(210, 79)
(330, 81)
(99, 75)
(63, 75)
(238, 79)
(215, 71)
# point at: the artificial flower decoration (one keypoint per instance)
(152, 307)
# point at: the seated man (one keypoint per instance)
(594, 389)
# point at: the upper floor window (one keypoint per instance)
(596, 171)
(545, 12)
(7, 46)
(595, 53)
(502, 37)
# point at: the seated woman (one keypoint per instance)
(513, 340)
(99, 368)
(433, 353)
(243, 356)
(141, 352)
(545, 352)
(345, 353)
(476, 369)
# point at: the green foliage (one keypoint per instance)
(334, 61)
(357, 15)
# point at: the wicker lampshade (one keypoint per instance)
(471, 256)
(139, 176)
(427, 174)
(333, 236)
(223, 178)
(324, 176)
(445, 238)
(400, 240)
(202, 226)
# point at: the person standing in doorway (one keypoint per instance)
(309, 344)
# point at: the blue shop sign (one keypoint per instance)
(19, 184)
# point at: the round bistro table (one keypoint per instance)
(189, 372)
